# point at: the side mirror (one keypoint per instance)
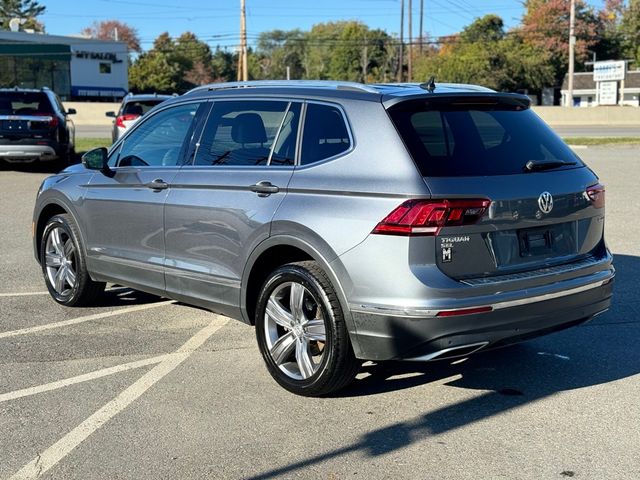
(97, 159)
(71, 111)
(110, 114)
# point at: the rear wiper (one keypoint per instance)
(537, 165)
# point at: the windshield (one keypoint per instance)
(24, 103)
(471, 138)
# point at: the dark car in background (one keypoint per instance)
(133, 107)
(35, 126)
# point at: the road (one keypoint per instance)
(101, 131)
(142, 388)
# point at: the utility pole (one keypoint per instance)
(572, 48)
(400, 59)
(421, 19)
(410, 59)
(115, 34)
(243, 70)
(365, 59)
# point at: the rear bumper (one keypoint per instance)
(27, 153)
(385, 333)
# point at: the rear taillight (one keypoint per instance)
(120, 119)
(596, 195)
(53, 120)
(427, 217)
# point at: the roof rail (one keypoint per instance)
(338, 85)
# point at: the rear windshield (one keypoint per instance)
(140, 107)
(476, 139)
(24, 103)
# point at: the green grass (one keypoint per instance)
(602, 140)
(86, 144)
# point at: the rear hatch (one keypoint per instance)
(133, 110)
(26, 115)
(529, 201)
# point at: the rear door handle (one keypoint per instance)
(157, 185)
(264, 188)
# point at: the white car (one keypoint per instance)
(133, 107)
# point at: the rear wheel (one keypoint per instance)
(63, 264)
(301, 331)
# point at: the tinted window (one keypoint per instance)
(159, 140)
(325, 134)
(24, 103)
(139, 107)
(476, 139)
(250, 133)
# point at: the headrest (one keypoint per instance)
(329, 124)
(248, 128)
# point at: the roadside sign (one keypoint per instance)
(607, 71)
(608, 92)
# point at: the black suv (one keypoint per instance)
(35, 126)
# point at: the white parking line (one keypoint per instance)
(56, 452)
(22, 294)
(27, 294)
(103, 372)
(88, 318)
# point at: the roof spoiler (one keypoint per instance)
(457, 99)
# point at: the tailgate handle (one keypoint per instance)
(264, 188)
(157, 185)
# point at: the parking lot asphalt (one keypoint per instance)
(139, 387)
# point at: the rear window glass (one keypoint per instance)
(476, 139)
(139, 107)
(24, 103)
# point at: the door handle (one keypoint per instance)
(264, 188)
(157, 185)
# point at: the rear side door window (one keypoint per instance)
(250, 133)
(325, 133)
(159, 140)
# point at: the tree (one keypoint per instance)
(483, 53)
(24, 9)
(545, 25)
(115, 30)
(276, 50)
(198, 60)
(630, 28)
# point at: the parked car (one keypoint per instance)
(132, 108)
(35, 126)
(346, 222)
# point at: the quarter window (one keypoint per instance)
(250, 133)
(325, 134)
(159, 140)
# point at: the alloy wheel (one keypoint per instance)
(295, 330)
(60, 261)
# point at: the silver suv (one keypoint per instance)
(347, 222)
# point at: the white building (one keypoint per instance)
(585, 93)
(74, 67)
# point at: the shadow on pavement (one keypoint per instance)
(602, 351)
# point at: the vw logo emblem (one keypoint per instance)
(545, 202)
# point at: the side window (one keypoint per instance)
(249, 133)
(158, 140)
(325, 134)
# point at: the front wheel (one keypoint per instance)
(63, 264)
(301, 331)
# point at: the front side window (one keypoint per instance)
(158, 141)
(250, 133)
(325, 134)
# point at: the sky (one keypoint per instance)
(217, 21)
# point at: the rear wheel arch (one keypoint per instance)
(275, 252)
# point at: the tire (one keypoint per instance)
(64, 266)
(306, 348)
